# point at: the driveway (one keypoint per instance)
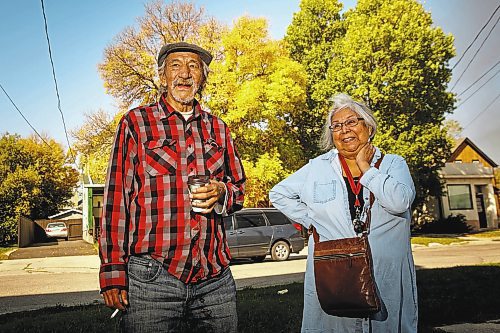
(54, 248)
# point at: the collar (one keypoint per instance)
(166, 110)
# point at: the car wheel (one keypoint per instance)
(280, 251)
(258, 259)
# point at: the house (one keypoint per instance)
(93, 195)
(69, 214)
(469, 186)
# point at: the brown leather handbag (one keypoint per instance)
(343, 271)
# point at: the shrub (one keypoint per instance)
(8, 230)
(453, 224)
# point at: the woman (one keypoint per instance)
(320, 194)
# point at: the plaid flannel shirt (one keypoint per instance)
(146, 206)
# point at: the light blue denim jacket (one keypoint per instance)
(317, 195)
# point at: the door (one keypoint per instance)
(481, 211)
(254, 235)
(232, 239)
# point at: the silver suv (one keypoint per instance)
(256, 232)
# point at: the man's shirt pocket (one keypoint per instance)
(161, 157)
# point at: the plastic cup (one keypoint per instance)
(194, 182)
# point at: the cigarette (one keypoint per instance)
(114, 313)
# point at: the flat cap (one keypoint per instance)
(183, 47)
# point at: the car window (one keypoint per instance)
(250, 220)
(228, 223)
(277, 218)
(56, 225)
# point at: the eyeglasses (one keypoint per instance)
(351, 122)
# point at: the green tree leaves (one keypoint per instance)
(274, 94)
(35, 181)
(391, 57)
(259, 91)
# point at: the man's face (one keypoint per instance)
(182, 76)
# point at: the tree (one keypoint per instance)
(129, 69)
(453, 130)
(262, 175)
(311, 38)
(93, 142)
(393, 59)
(259, 92)
(35, 181)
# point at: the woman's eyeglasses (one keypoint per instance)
(351, 122)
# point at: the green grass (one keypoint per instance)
(423, 239)
(441, 240)
(446, 296)
(4, 250)
(486, 234)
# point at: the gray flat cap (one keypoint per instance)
(183, 47)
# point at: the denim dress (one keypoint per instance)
(317, 195)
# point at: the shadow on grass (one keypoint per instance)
(446, 296)
(459, 294)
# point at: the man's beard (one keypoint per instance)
(188, 99)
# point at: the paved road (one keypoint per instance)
(29, 284)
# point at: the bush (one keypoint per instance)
(453, 224)
(8, 230)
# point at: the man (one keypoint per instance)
(162, 264)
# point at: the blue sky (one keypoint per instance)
(80, 30)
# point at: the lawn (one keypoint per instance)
(423, 239)
(4, 250)
(486, 234)
(446, 296)
(426, 240)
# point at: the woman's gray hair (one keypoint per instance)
(343, 101)
(206, 71)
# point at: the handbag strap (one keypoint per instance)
(312, 229)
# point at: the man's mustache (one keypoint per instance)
(187, 82)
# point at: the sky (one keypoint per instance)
(79, 31)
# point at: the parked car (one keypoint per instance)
(256, 232)
(56, 230)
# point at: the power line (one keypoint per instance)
(475, 38)
(22, 115)
(475, 91)
(489, 70)
(474, 56)
(55, 81)
(486, 108)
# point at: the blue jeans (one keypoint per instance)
(159, 302)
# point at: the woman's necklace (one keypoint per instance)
(356, 189)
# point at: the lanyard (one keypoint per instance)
(356, 188)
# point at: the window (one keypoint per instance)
(228, 223)
(277, 218)
(459, 197)
(475, 161)
(250, 220)
(458, 161)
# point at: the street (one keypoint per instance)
(29, 284)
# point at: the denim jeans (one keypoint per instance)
(159, 302)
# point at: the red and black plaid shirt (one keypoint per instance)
(146, 201)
